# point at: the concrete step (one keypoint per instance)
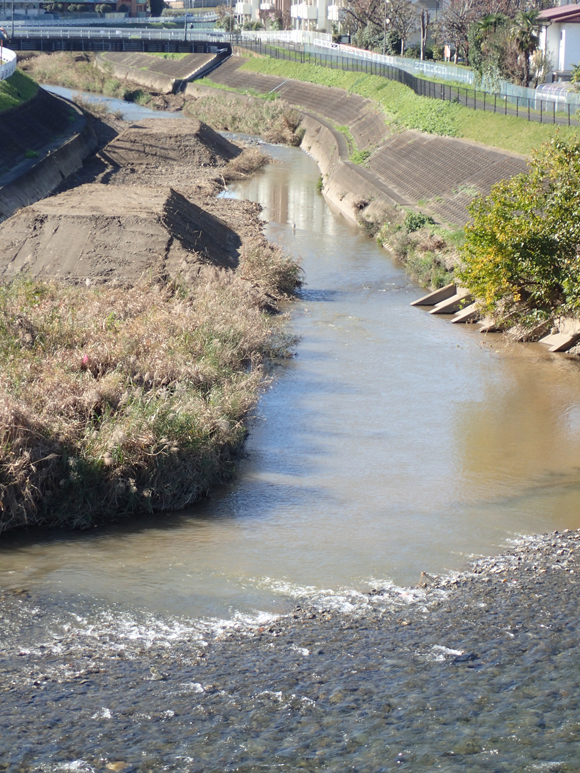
(568, 334)
(468, 314)
(431, 299)
(454, 304)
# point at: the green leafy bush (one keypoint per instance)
(415, 220)
(521, 253)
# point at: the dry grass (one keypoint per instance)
(429, 254)
(75, 70)
(244, 165)
(273, 120)
(116, 400)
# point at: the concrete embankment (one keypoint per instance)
(162, 75)
(442, 173)
(43, 142)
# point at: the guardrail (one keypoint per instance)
(516, 96)
(7, 63)
(449, 72)
(90, 33)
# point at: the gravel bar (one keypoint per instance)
(474, 671)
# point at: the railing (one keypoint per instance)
(447, 72)
(192, 18)
(533, 109)
(90, 33)
(515, 96)
(7, 63)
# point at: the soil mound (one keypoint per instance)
(152, 142)
(115, 233)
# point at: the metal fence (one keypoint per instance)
(538, 108)
(7, 63)
(110, 20)
(96, 33)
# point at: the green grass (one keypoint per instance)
(169, 56)
(16, 90)
(405, 110)
(249, 92)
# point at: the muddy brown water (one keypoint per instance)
(393, 443)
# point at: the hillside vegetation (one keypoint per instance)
(405, 110)
(16, 90)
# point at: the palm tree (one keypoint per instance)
(490, 23)
(526, 26)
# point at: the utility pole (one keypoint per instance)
(12, 35)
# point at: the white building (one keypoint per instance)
(560, 38)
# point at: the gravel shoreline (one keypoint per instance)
(477, 671)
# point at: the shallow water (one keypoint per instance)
(129, 110)
(393, 443)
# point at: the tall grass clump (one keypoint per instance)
(75, 70)
(122, 400)
(273, 120)
(428, 251)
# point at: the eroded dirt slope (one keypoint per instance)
(105, 233)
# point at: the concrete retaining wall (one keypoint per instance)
(43, 177)
(7, 63)
(343, 184)
(151, 80)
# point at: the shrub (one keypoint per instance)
(416, 220)
(521, 253)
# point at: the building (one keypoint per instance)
(560, 38)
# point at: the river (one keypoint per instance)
(393, 443)
(270, 626)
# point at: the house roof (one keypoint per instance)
(562, 13)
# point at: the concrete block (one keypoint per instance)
(454, 304)
(568, 334)
(436, 296)
(468, 314)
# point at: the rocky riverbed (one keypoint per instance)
(474, 671)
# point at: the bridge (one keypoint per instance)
(39, 38)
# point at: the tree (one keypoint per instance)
(425, 22)
(403, 19)
(526, 26)
(226, 19)
(521, 257)
(156, 7)
(455, 22)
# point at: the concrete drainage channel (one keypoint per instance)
(460, 304)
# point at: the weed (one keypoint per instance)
(122, 400)
(274, 121)
(405, 110)
(31, 154)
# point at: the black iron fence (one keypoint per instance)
(532, 109)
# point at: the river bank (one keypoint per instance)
(138, 321)
(177, 643)
(474, 670)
